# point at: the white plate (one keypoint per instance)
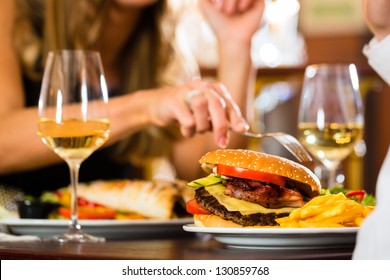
(280, 238)
(110, 229)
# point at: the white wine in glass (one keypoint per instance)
(330, 118)
(73, 118)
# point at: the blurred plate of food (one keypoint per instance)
(115, 209)
(8, 196)
(124, 200)
(110, 229)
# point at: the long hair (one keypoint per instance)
(150, 58)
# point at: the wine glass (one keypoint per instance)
(330, 117)
(73, 118)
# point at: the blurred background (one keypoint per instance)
(293, 35)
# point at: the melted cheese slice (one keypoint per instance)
(244, 207)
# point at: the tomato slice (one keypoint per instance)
(251, 174)
(89, 213)
(359, 194)
(193, 207)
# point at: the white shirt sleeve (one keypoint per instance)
(373, 239)
(378, 55)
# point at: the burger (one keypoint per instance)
(247, 188)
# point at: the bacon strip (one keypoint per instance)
(265, 195)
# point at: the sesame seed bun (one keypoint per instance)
(253, 160)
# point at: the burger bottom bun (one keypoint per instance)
(211, 220)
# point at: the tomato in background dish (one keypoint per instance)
(84, 202)
(238, 172)
(89, 213)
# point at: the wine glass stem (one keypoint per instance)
(332, 177)
(74, 179)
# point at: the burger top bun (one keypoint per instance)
(258, 161)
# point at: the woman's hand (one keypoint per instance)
(377, 13)
(234, 20)
(197, 107)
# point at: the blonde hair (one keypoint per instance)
(151, 58)
(45, 25)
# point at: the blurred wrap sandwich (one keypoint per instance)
(157, 199)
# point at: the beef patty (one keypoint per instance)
(209, 202)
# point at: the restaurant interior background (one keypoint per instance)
(293, 35)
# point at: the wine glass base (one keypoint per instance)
(75, 237)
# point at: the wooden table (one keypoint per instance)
(189, 246)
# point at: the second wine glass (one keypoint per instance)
(73, 118)
(330, 118)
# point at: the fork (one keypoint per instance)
(288, 141)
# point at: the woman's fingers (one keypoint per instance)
(243, 5)
(198, 107)
(213, 109)
(218, 118)
(180, 112)
(231, 7)
(233, 112)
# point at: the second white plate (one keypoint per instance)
(280, 238)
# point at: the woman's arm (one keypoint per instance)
(234, 23)
(21, 149)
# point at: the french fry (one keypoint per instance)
(319, 200)
(326, 199)
(334, 210)
(367, 210)
(342, 212)
(290, 224)
(358, 221)
(286, 219)
(328, 212)
(296, 214)
(311, 211)
(318, 225)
